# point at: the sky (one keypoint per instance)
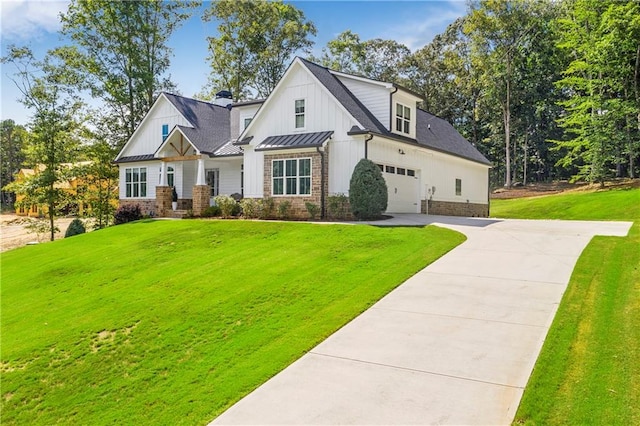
(414, 23)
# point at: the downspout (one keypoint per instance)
(367, 138)
(322, 183)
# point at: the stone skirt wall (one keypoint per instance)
(447, 208)
(147, 206)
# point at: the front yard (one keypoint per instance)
(171, 322)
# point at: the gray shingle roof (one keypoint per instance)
(439, 135)
(442, 136)
(298, 140)
(133, 158)
(211, 123)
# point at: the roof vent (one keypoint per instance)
(224, 98)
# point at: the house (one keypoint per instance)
(301, 145)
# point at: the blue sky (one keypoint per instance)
(413, 23)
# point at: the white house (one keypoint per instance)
(301, 144)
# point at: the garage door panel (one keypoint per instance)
(403, 193)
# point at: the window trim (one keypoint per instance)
(129, 185)
(165, 127)
(284, 178)
(458, 188)
(403, 119)
(297, 114)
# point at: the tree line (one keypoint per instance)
(546, 90)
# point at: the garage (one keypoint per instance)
(402, 186)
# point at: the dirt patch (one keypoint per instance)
(538, 189)
(13, 235)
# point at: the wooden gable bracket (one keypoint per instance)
(182, 151)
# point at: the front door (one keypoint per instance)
(213, 180)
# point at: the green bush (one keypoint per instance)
(283, 209)
(213, 211)
(127, 213)
(268, 208)
(338, 206)
(227, 205)
(312, 209)
(250, 208)
(75, 227)
(367, 191)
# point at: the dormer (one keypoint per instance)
(403, 113)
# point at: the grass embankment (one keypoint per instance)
(588, 371)
(170, 322)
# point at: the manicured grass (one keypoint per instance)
(170, 322)
(588, 371)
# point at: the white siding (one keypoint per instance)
(253, 173)
(148, 136)
(343, 157)
(407, 100)
(373, 96)
(153, 175)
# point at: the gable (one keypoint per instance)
(375, 97)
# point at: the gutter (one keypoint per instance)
(322, 183)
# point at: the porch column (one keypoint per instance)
(200, 179)
(163, 174)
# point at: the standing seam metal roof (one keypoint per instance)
(298, 140)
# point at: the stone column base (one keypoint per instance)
(164, 196)
(200, 199)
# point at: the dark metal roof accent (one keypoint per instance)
(211, 123)
(299, 140)
(244, 141)
(227, 150)
(134, 158)
(439, 135)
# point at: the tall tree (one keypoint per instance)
(256, 42)
(47, 89)
(13, 139)
(121, 48)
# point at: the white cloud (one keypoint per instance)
(24, 19)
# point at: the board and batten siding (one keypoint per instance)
(343, 157)
(277, 117)
(148, 137)
(373, 96)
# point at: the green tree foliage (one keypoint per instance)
(256, 42)
(13, 139)
(47, 90)
(368, 194)
(76, 227)
(120, 47)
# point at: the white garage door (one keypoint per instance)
(402, 185)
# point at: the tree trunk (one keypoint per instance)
(524, 166)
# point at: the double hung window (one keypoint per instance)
(135, 182)
(291, 177)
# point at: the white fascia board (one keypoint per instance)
(363, 79)
(153, 107)
(174, 131)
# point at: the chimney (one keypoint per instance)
(223, 98)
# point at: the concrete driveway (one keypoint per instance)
(454, 344)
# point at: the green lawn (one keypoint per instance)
(170, 322)
(589, 369)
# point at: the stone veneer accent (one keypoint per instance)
(147, 206)
(298, 208)
(200, 199)
(448, 208)
(164, 195)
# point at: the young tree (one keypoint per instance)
(47, 89)
(13, 139)
(121, 49)
(256, 42)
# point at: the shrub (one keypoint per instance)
(312, 209)
(75, 227)
(367, 190)
(127, 213)
(283, 209)
(337, 206)
(213, 211)
(226, 204)
(268, 208)
(250, 208)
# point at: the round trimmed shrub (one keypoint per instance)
(367, 191)
(75, 227)
(127, 213)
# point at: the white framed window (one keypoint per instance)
(135, 179)
(170, 176)
(299, 111)
(291, 177)
(246, 122)
(403, 118)
(458, 186)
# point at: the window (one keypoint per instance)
(458, 186)
(165, 131)
(401, 171)
(390, 169)
(411, 172)
(170, 174)
(403, 118)
(300, 114)
(291, 177)
(135, 182)
(381, 167)
(247, 121)
(213, 180)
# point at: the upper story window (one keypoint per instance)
(299, 113)
(246, 122)
(135, 182)
(403, 118)
(165, 131)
